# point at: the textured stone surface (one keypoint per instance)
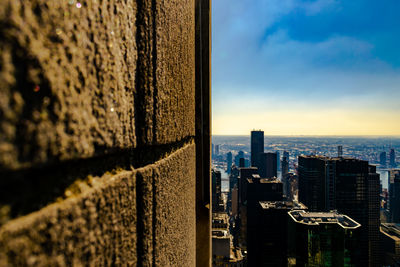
(97, 228)
(168, 221)
(175, 215)
(145, 215)
(175, 72)
(67, 75)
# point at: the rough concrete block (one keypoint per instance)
(174, 70)
(67, 75)
(169, 225)
(96, 228)
(175, 220)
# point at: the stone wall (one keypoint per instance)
(98, 162)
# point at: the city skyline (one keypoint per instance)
(306, 67)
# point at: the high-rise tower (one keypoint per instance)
(257, 147)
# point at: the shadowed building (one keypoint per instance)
(394, 196)
(352, 187)
(267, 233)
(390, 243)
(257, 147)
(322, 239)
(382, 159)
(392, 158)
(228, 162)
(268, 166)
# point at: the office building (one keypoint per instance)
(322, 239)
(394, 196)
(228, 162)
(278, 160)
(357, 195)
(257, 147)
(268, 166)
(239, 156)
(312, 184)
(382, 159)
(284, 173)
(352, 187)
(267, 233)
(392, 159)
(217, 202)
(216, 150)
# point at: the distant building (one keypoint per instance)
(238, 157)
(284, 173)
(322, 239)
(216, 150)
(382, 159)
(278, 160)
(390, 243)
(268, 166)
(286, 155)
(267, 233)
(257, 147)
(340, 151)
(242, 163)
(217, 202)
(392, 156)
(228, 162)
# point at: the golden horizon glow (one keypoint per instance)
(323, 123)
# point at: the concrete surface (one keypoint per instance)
(98, 97)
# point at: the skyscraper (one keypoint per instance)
(217, 205)
(228, 162)
(357, 195)
(352, 187)
(394, 196)
(392, 158)
(285, 171)
(322, 239)
(267, 233)
(257, 147)
(268, 166)
(312, 182)
(382, 159)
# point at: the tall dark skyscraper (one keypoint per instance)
(394, 196)
(228, 162)
(392, 156)
(267, 233)
(268, 166)
(257, 147)
(217, 205)
(285, 171)
(352, 187)
(278, 160)
(312, 184)
(357, 195)
(382, 159)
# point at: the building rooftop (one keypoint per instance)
(317, 218)
(220, 234)
(282, 205)
(392, 230)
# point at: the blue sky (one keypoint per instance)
(321, 67)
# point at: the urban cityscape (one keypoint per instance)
(305, 201)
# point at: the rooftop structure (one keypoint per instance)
(282, 205)
(317, 218)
